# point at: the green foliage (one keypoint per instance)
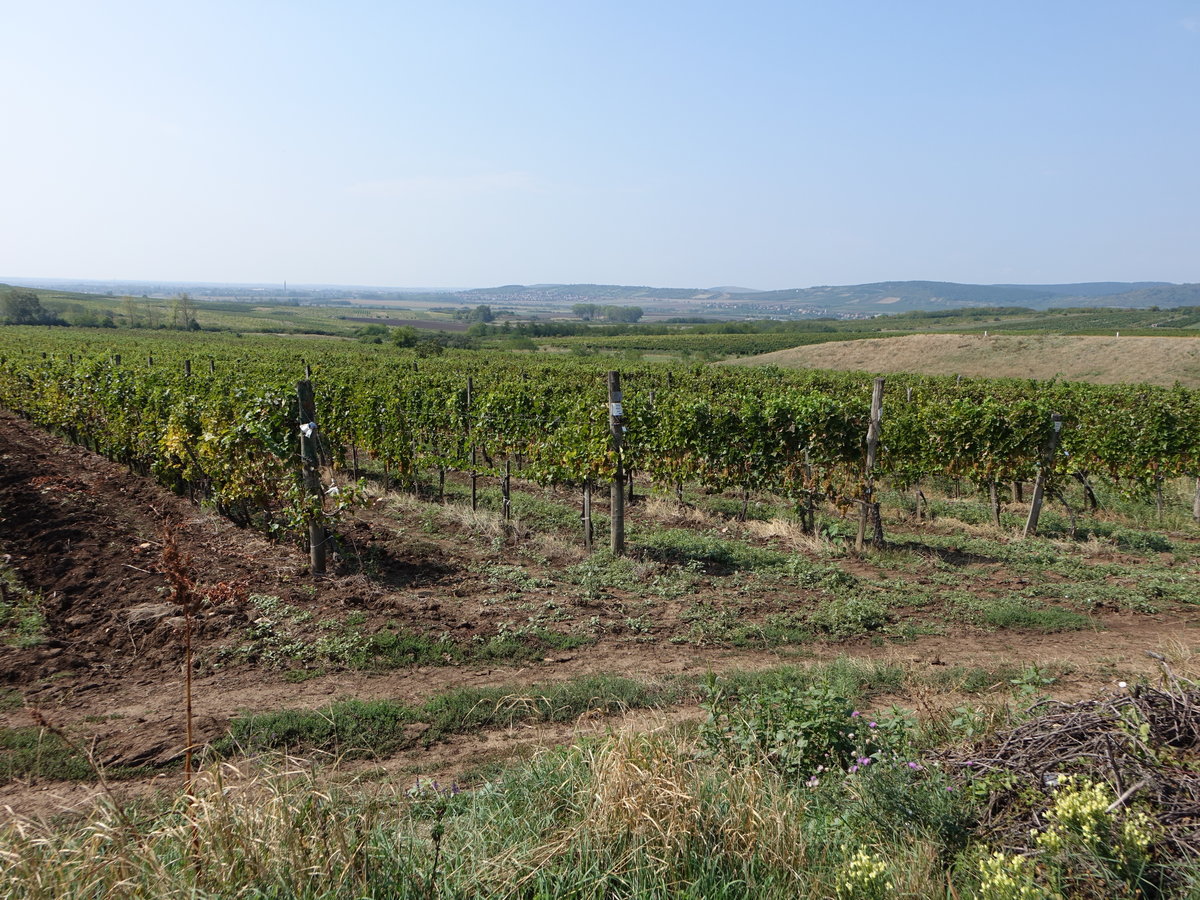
(1016, 611)
(230, 435)
(849, 616)
(684, 546)
(20, 307)
(1087, 846)
(40, 753)
(22, 623)
(802, 732)
(369, 728)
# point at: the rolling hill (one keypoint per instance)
(1103, 360)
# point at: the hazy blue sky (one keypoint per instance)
(765, 144)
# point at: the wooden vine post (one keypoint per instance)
(1039, 486)
(311, 475)
(869, 509)
(616, 425)
(587, 513)
(506, 489)
(474, 474)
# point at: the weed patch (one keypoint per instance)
(359, 728)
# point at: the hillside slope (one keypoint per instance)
(1103, 360)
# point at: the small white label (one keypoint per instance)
(1058, 425)
(615, 409)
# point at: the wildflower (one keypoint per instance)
(855, 714)
(872, 724)
(915, 766)
(865, 876)
(864, 760)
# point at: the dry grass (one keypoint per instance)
(1102, 360)
(791, 536)
(646, 796)
(670, 513)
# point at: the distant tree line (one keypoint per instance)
(589, 311)
(426, 343)
(571, 329)
(19, 306)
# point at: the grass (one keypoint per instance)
(738, 577)
(360, 728)
(1016, 611)
(376, 728)
(628, 815)
(37, 752)
(22, 623)
(718, 555)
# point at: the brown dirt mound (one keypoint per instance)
(85, 534)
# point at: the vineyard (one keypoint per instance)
(463, 666)
(701, 344)
(218, 419)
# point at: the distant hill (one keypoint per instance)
(1090, 288)
(902, 296)
(1103, 360)
(728, 301)
(577, 293)
(861, 299)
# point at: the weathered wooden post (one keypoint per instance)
(1039, 486)
(616, 418)
(311, 474)
(587, 513)
(869, 508)
(474, 474)
(506, 489)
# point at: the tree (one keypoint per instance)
(131, 313)
(585, 311)
(482, 313)
(25, 308)
(183, 313)
(622, 313)
(404, 336)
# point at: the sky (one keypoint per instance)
(689, 144)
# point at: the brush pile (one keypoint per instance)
(1142, 741)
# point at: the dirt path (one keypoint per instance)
(84, 533)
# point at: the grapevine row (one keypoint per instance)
(228, 431)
